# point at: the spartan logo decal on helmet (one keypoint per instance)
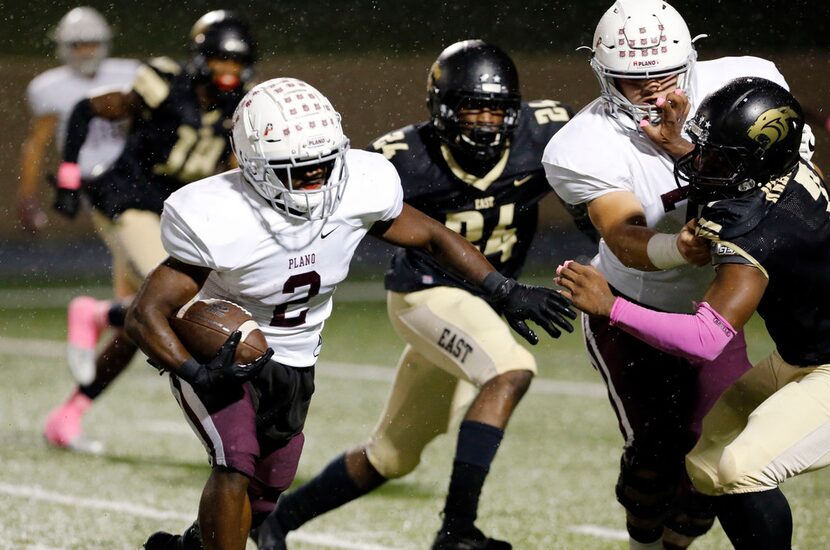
(284, 127)
(745, 134)
(474, 75)
(640, 39)
(772, 126)
(83, 27)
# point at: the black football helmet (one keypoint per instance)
(473, 75)
(745, 134)
(221, 34)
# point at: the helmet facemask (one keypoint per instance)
(86, 64)
(480, 141)
(714, 172)
(290, 146)
(274, 181)
(619, 103)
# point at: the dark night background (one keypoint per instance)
(371, 59)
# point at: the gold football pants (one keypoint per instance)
(455, 343)
(770, 425)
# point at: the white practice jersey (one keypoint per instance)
(282, 270)
(595, 154)
(58, 90)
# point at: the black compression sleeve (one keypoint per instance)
(76, 130)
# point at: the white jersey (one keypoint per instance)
(282, 270)
(594, 154)
(58, 90)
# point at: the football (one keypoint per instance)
(204, 325)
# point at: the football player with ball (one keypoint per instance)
(276, 237)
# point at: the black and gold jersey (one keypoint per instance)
(497, 212)
(172, 141)
(783, 229)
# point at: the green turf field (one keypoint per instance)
(552, 485)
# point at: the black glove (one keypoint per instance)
(222, 376)
(518, 302)
(67, 202)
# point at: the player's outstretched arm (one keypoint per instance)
(621, 222)
(517, 302)
(729, 302)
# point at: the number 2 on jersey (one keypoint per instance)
(311, 279)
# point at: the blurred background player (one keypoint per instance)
(180, 125)
(772, 424)
(475, 167)
(616, 156)
(300, 193)
(83, 40)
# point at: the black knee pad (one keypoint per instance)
(646, 488)
(692, 515)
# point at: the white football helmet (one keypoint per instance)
(283, 124)
(640, 39)
(82, 25)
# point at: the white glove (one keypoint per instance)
(808, 143)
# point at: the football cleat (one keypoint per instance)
(468, 539)
(63, 426)
(161, 540)
(269, 535)
(191, 539)
(85, 323)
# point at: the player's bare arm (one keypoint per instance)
(414, 229)
(516, 302)
(31, 217)
(170, 286)
(621, 222)
(736, 292)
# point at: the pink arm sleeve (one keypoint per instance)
(703, 335)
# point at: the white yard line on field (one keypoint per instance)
(33, 492)
(327, 540)
(599, 532)
(53, 349)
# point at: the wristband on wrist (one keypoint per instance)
(69, 176)
(497, 286)
(663, 252)
(188, 370)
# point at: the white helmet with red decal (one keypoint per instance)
(640, 39)
(284, 124)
